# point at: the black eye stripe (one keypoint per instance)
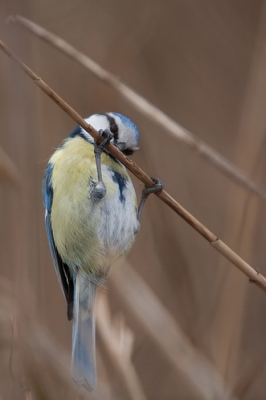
(128, 152)
(112, 126)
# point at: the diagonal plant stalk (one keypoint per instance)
(243, 213)
(8, 170)
(145, 107)
(190, 364)
(117, 340)
(221, 247)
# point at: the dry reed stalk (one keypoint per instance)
(118, 342)
(53, 367)
(243, 213)
(8, 170)
(221, 247)
(36, 366)
(146, 108)
(195, 369)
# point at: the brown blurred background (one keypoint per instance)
(204, 64)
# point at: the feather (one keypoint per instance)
(62, 271)
(83, 333)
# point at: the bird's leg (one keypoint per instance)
(156, 189)
(99, 190)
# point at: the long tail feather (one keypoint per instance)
(83, 334)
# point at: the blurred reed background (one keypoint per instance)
(176, 321)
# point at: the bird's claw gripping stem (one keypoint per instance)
(156, 189)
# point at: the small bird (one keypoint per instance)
(92, 218)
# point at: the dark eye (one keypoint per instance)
(128, 152)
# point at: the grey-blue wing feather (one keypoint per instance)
(62, 270)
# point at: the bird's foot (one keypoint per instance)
(99, 189)
(156, 189)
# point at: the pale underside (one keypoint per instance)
(92, 235)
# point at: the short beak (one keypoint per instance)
(121, 146)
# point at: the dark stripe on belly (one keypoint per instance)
(122, 183)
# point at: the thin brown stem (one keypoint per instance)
(221, 247)
(145, 107)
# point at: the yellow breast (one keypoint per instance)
(74, 216)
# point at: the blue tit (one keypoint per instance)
(91, 219)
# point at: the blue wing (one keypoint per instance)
(81, 307)
(63, 272)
